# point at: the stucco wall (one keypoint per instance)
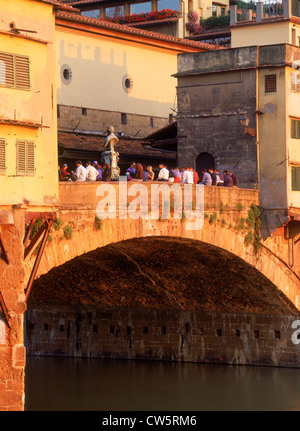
(99, 65)
(35, 105)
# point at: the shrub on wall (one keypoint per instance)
(193, 25)
(216, 21)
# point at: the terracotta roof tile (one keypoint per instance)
(60, 5)
(95, 143)
(134, 31)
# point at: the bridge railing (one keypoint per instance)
(87, 196)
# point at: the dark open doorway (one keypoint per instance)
(204, 161)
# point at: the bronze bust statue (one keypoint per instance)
(111, 139)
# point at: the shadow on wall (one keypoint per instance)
(99, 78)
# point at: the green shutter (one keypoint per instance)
(296, 178)
(295, 129)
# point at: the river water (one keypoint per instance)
(55, 384)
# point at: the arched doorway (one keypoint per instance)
(204, 161)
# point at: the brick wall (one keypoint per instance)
(95, 120)
(12, 350)
(162, 335)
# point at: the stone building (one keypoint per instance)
(239, 110)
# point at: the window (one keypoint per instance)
(25, 158)
(270, 83)
(295, 81)
(140, 8)
(2, 156)
(295, 129)
(66, 74)
(115, 11)
(296, 178)
(127, 83)
(168, 4)
(124, 119)
(14, 71)
(94, 13)
(151, 122)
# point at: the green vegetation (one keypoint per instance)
(239, 207)
(213, 218)
(36, 227)
(57, 224)
(254, 221)
(98, 223)
(68, 231)
(215, 21)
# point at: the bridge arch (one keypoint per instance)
(86, 237)
(162, 272)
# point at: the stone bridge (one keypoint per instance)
(224, 225)
(229, 222)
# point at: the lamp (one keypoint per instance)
(244, 121)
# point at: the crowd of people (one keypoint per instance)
(94, 171)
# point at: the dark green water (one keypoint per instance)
(54, 384)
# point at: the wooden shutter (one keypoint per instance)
(7, 69)
(30, 158)
(22, 72)
(21, 158)
(2, 156)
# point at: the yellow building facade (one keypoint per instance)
(28, 155)
(113, 74)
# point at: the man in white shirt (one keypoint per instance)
(163, 173)
(188, 176)
(80, 171)
(91, 172)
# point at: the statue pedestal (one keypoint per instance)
(112, 158)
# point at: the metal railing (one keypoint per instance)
(296, 8)
(263, 10)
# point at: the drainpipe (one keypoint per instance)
(257, 113)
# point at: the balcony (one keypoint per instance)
(264, 11)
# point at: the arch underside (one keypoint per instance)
(161, 272)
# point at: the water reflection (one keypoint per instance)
(82, 384)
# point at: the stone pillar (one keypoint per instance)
(287, 8)
(12, 284)
(249, 15)
(102, 12)
(233, 14)
(126, 9)
(259, 11)
(154, 5)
